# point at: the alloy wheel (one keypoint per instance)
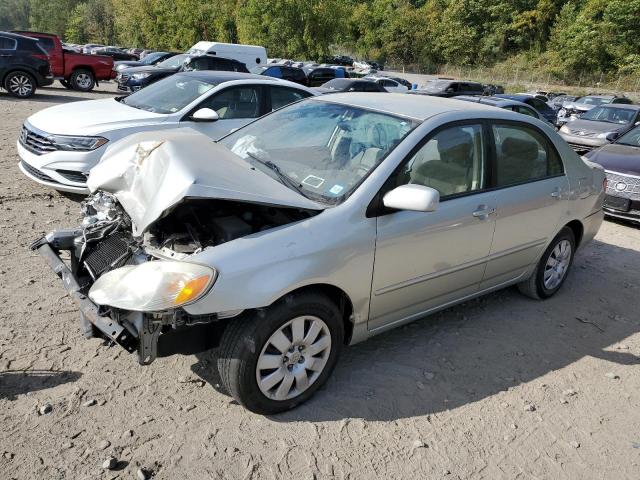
(557, 265)
(293, 357)
(20, 85)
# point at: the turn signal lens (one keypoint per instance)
(192, 289)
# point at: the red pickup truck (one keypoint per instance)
(74, 70)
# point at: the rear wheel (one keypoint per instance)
(553, 267)
(20, 84)
(82, 80)
(272, 360)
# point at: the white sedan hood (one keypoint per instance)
(151, 172)
(91, 117)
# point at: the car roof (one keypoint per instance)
(491, 100)
(418, 107)
(18, 36)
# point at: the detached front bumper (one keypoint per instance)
(110, 328)
(149, 335)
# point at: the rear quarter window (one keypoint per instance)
(7, 43)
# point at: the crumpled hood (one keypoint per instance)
(151, 172)
(583, 107)
(596, 127)
(91, 117)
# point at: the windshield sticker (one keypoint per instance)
(336, 189)
(313, 181)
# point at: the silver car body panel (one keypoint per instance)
(393, 268)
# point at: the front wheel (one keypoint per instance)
(553, 267)
(20, 84)
(274, 359)
(82, 80)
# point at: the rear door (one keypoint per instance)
(530, 189)
(8, 47)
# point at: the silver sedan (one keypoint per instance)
(318, 226)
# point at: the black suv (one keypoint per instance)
(24, 65)
(293, 74)
(135, 78)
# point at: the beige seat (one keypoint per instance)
(518, 161)
(453, 172)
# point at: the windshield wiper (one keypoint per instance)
(284, 178)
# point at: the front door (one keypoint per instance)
(426, 260)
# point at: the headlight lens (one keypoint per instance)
(562, 112)
(82, 144)
(604, 134)
(564, 129)
(153, 286)
(140, 76)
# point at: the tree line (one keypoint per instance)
(566, 38)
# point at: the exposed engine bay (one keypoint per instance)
(106, 241)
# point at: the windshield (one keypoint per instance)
(631, 138)
(609, 115)
(173, 62)
(152, 57)
(168, 95)
(594, 100)
(320, 149)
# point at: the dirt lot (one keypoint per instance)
(503, 387)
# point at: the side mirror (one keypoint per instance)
(449, 90)
(417, 198)
(612, 136)
(205, 115)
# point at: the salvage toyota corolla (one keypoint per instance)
(319, 225)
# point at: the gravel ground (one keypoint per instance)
(501, 387)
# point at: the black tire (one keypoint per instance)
(245, 337)
(535, 287)
(82, 80)
(20, 84)
(66, 84)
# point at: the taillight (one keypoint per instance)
(604, 184)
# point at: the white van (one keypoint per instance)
(250, 55)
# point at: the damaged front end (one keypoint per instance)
(131, 289)
(132, 265)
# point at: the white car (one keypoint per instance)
(59, 145)
(389, 84)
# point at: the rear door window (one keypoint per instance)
(523, 154)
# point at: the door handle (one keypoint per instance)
(557, 194)
(483, 212)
